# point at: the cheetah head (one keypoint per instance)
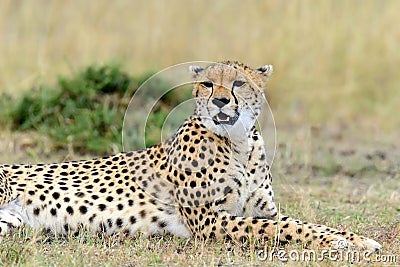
(229, 96)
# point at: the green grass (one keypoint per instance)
(367, 204)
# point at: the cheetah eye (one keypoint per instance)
(238, 84)
(208, 85)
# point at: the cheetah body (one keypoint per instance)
(210, 180)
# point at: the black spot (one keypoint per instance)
(119, 191)
(119, 222)
(53, 212)
(70, 210)
(83, 209)
(66, 228)
(102, 207)
(132, 219)
(56, 195)
(36, 211)
(142, 213)
(189, 211)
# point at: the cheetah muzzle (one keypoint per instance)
(222, 118)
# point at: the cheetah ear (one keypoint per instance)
(195, 70)
(266, 70)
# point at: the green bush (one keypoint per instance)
(5, 101)
(84, 112)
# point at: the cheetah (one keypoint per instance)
(210, 180)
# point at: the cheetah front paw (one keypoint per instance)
(367, 243)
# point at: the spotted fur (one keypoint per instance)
(210, 180)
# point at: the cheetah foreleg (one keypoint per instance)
(359, 241)
(249, 228)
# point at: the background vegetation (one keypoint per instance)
(85, 112)
(334, 60)
(335, 96)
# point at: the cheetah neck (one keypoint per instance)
(241, 148)
(238, 137)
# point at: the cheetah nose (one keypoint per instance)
(220, 102)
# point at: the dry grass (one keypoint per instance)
(321, 177)
(336, 64)
(333, 59)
